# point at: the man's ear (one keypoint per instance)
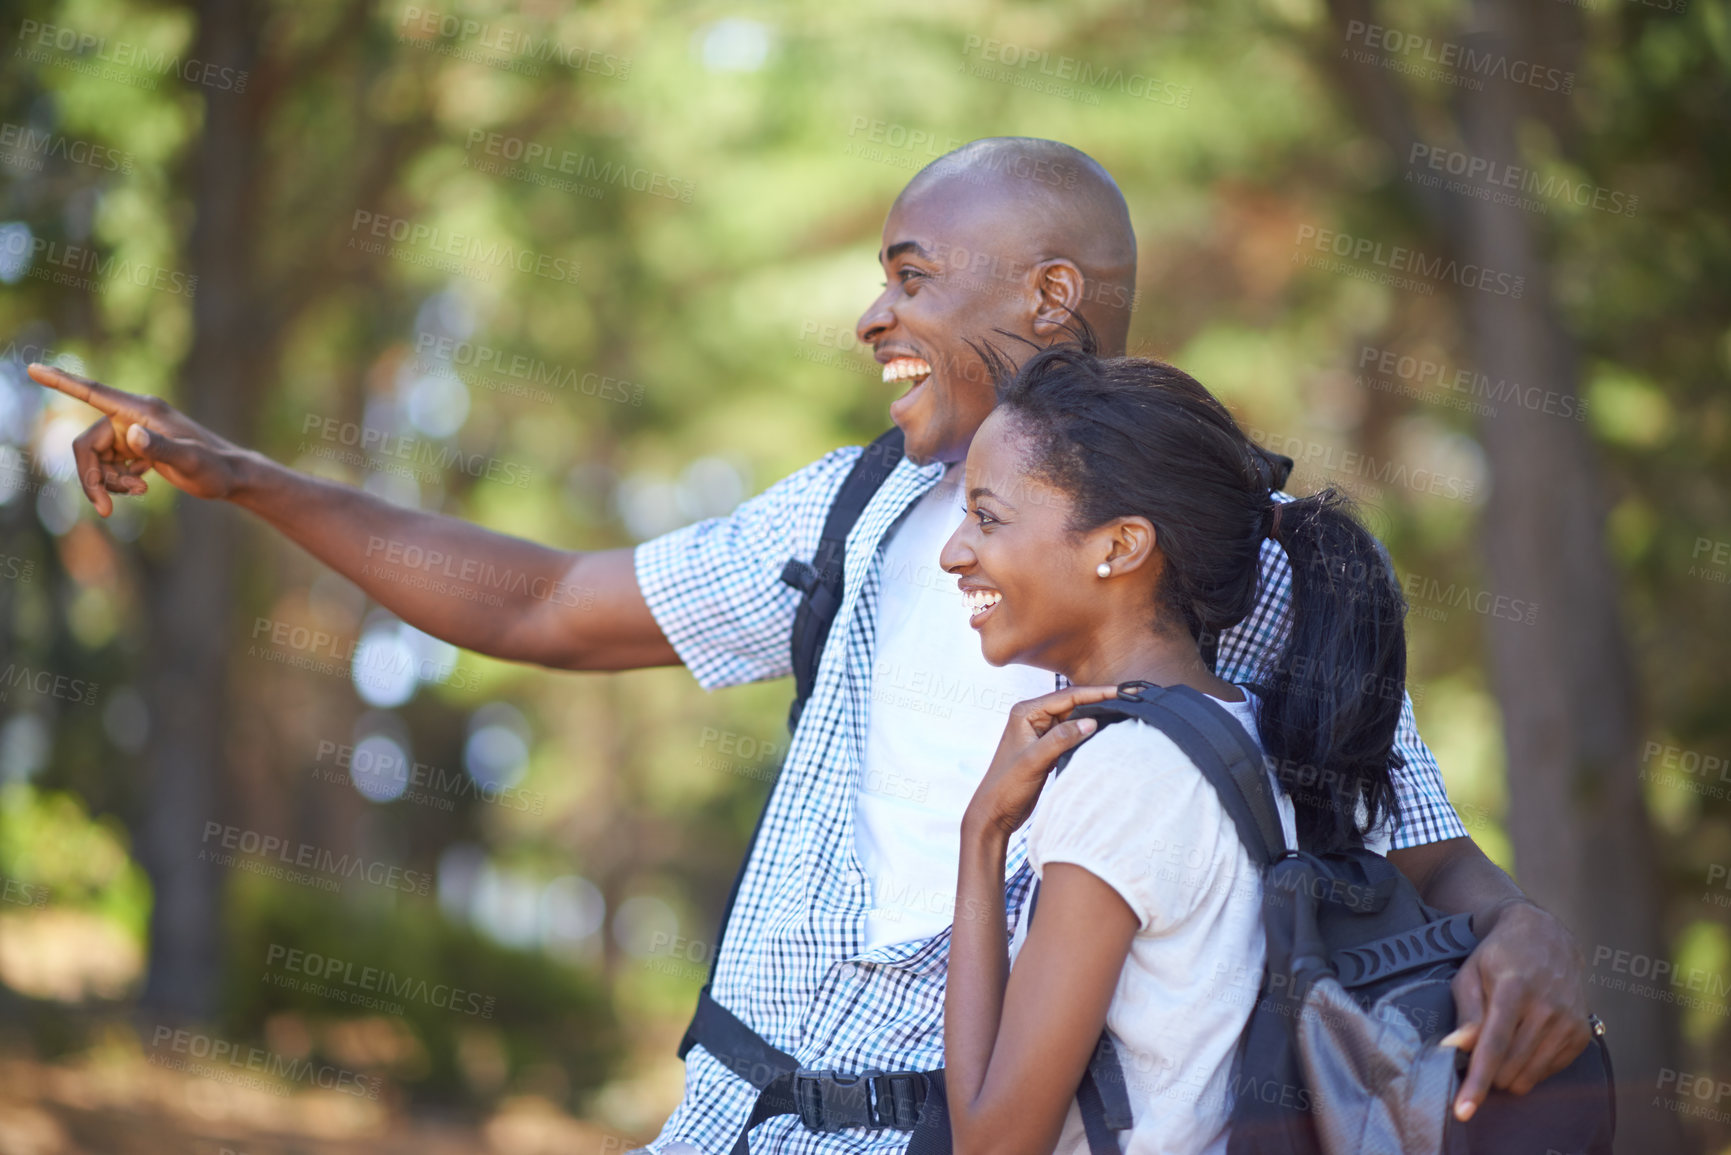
(1058, 285)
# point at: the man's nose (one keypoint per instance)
(875, 321)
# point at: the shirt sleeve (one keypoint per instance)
(1135, 812)
(715, 587)
(1426, 814)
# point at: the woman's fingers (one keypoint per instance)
(1060, 738)
(1041, 712)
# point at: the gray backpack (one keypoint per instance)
(1340, 1053)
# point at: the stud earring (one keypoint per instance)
(1103, 569)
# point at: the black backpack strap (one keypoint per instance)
(821, 580)
(821, 585)
(735, 1045)
(1102, 1099)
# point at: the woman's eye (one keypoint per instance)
(981, 515)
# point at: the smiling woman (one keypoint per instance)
(1117, 514)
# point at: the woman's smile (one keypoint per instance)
(981, 600)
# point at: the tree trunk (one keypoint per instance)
(1582, 842)
(190, 588)
(1583, 845)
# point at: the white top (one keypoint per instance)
(937, 712)
(1133, 810)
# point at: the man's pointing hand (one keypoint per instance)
(138, 434)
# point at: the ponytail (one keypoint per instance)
(1332, 700)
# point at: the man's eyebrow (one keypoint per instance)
(980, 491)
(901, 247)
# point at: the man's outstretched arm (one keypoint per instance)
(560, 608)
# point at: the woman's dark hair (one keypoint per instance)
(1128, 437)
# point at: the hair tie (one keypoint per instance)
(1273, 520)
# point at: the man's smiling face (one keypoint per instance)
(957, 266)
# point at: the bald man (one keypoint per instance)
(832, 962)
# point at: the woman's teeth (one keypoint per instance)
(979, 601)
(906, 369)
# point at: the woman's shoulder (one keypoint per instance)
(1131, 774)
(1132, 809)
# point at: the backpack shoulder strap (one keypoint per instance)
(1226, 755)
(821, 580)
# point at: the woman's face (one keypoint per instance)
(1029, 584)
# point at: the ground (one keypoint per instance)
(121, 1106)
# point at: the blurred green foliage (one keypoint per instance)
(723, 315)
(447, 989)
(50, 846)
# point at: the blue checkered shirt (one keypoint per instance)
(793, 963)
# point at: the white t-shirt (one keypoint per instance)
(1133, 810)
(937, 712)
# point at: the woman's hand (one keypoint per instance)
(1034, 738)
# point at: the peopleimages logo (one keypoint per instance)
(469, 254)
(86, 48)
(64, 264)
(1345, 465)
(1400, 259)
(503, 47)
(228, 1061)
(436, 456)
(1468, 386)
(1448, 60)
(336, 978)
(47, 683)
(308, 857)
(1070, 76)
(27, 145)
(530, 160)
(446, 355)
(1499, 182)
(423, 781)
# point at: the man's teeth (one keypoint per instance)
(906, 369)
(981, 600)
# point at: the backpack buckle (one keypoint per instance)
(900, 1099)
(830, 1101)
